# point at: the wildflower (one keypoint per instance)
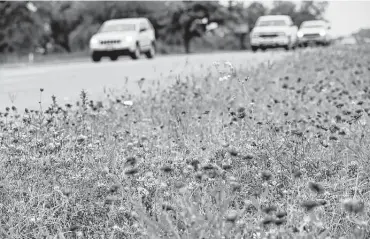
(131, 171)
(195, 164)
(73, 228)
(269, 209)
(266, 175)
(315, 187)
(281, 214)
(131, 161)
(111, 199)
(297, 173)
(232, 216)
(267, 221)
(233, 152)
(167, 207)
(166, 169)
(353, 205)
(309, 205)
(248, 157)
(199, 175)
(179, 185)
(41, 89)
(66, 192)
(128, 102)
(279, 222)
(208, 167)
(114, 188)
(14, 108)
(322, 202)
(235, 186)
(226, 166)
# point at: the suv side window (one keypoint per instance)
(143, 26)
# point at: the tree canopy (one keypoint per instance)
(68, 26)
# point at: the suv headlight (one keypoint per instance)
(322, 33)
(254, 34)
(128, 39)
(299, 34)
(94, 42)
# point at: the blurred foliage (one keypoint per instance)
(59, 26)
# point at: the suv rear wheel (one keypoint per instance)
(151, 52)
(254, 48)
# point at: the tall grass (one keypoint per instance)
(279, 151)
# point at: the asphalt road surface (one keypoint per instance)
(20, 86)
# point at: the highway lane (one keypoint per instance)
(20, 86)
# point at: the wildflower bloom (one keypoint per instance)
(315, 187)
(232, 216)
(131, 171)
(353, 205)
(266, 175)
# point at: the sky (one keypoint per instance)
(346, 16)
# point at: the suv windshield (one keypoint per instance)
(118, 28)
(312, 25)
(268, 23)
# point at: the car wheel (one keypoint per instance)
(113, 57)
(151, 53)
(136, 53)
(254, 48)
(263, 48)
(96, 57)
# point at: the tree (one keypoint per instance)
(63, 18)
(19, 27)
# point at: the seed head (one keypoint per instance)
(315, 187)
(41, 89)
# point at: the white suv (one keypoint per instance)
(274, 31)
(128, 36)
(316, 31)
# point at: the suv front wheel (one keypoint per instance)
(151, 52)
(95, 57)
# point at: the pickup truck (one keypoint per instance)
(274, 31)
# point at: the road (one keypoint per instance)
(20, 86)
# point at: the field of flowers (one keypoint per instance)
(279, 151)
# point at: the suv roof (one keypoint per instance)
(274, 17)
(127, 20)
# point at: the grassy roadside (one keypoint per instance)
(280, 149)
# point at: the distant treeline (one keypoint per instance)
(66, 26)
